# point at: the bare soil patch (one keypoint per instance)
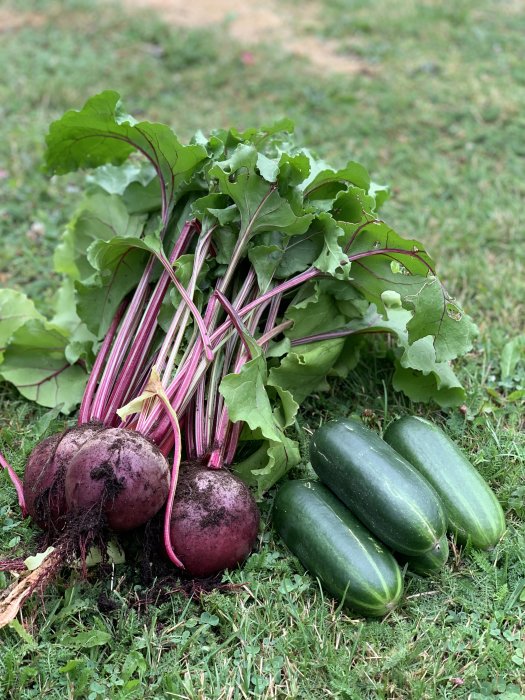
(11, 20)
(251, 23)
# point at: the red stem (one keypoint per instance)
(16, 483)
(177, 451)
(234, 318)
(87, 399)
(399, 251)
(121, 344)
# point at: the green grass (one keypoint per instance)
(439, 114)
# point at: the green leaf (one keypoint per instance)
(247, 400)
(320, 184)
(15, 310)
(512, 353)
(376, 236)
(285, 409)
(207, 618)
(87, 640)
(332, 259)
(268, 464)
(405, 268)
(278, 348)
(115, 179)
(224, 240)
(36, 560)
(260, 206)
(421, 355)
(37, 356)
(440, 385)
(304, 369)
(372, 278)
(380, 193)
(395, 322)
(82, 343)
(418, 373)
(23, 633)
(293, 169)
(103, 255)
(265, 260)
(217, 207)
(101, 217)
(299, 254)
(66, 316)
(313, 311)
(268, 167)
(102, 133)
(268, 136)
(72, 665)
(351, 205)
(119, 263)
(35, 363)
(348, 357)
(143, 199)
(40, 427)
(437, 315)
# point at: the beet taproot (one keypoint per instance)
(39, 477)
(45, 473)
(120, 475)
(214, 522)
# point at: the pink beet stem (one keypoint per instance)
(84, 415)
(16, 483)
(173, 486)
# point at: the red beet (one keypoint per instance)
(215, 520)
(39, 476)
(119, 474)
(45, 471)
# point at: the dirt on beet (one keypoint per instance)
(49, 505)
(202, 498)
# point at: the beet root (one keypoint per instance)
(43, 503)
(119, 477)
(214, 522)
(45, 471)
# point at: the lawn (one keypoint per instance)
(434, 105)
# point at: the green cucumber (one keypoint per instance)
(381, 488)
(334, 546)
(471, 508)
(430, 562)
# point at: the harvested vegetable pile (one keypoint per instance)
(373, 501)
(207, 290)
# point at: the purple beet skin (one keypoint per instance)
(215, 520)
(120, 473)
(45, 473)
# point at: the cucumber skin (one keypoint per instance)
(430, 562)
(382, 489)
(337, 548)
(471, 508)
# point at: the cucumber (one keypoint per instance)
(471, 508)
(334, 546)
(381, 488)
(430, 562)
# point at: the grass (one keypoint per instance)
(438, 113)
